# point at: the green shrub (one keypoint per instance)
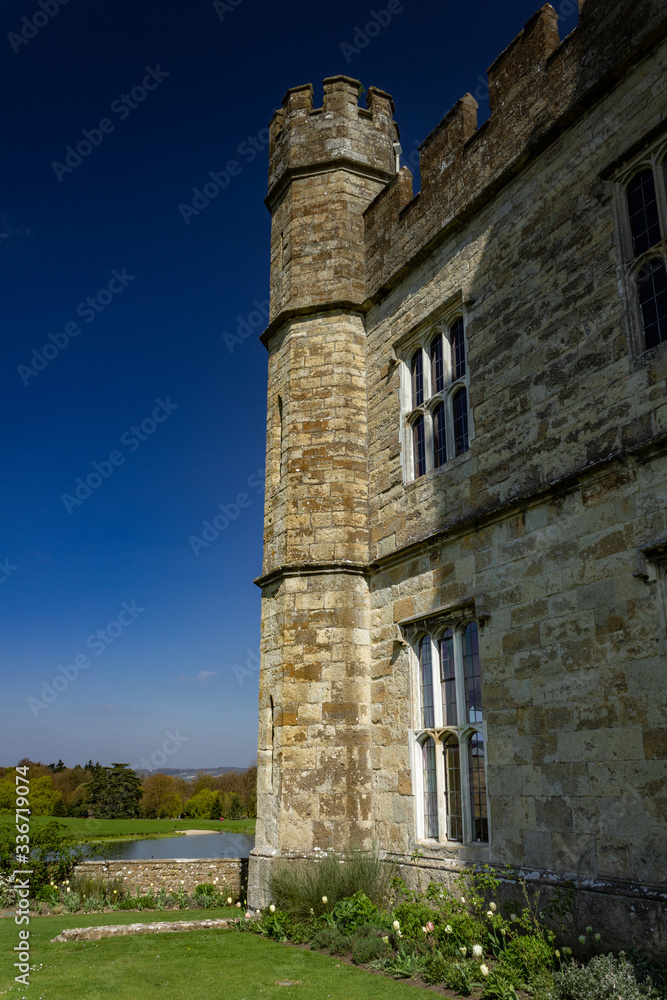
(405, 964)
(333, 940)
(497, 987)
(606, 977)
(108, 890)
(299, 888)
(53, 854)
(277, 925)
(206, 895)
(368, 948)
(146, 902)
(49, 894)
(412, 916)
(72, 901)
(350, 913)
(457, 976)
(526, 960)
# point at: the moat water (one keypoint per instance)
(203, 845)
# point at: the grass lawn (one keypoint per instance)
(197, 965)
(138, 829)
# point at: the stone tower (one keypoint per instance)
(326, 166)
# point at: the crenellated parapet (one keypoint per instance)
(306, 138)
(537, 87)
(338, 155)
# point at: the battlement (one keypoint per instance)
(537, 86)
(302, 138)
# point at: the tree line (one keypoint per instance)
(117, 792)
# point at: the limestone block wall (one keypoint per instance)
(230, 873)
(573, 654)
(316, 493)
(554, 384)
(314, 781)
(538, 86)
(326, 166)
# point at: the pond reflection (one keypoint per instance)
(203, 845)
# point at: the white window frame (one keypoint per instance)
(654, 158)
(409, 413)
(439, 732)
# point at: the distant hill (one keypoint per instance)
(188, 774)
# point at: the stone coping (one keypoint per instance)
(123, 930)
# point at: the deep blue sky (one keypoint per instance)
(66, 571)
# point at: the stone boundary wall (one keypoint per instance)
(232, 873)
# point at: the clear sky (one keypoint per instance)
(128, 417)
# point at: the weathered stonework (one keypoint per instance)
(171, 875)
(130, 930)
(536, 532)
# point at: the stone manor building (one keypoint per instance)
(464, 589)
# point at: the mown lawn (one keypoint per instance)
(197, 965)
(97, 829)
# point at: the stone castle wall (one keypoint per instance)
(539, 525)
(536, 532)
(230, 873)
(538, 88)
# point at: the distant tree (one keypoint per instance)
(114, 792)
(42, 796)
(204, 780)
(7, 796)
(161, 798)
(201, 805)
(55, 768)
(235, 807)
(59, 807)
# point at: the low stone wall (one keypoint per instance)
(232, 873)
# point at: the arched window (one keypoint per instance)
(477, 782)
(643, 212)
(417, 370)
(652, 293)
(419, 446)
(439, 436)
(460, 413)
(453, 789)
(472, 673)
(426, 671)
(454, 720)
(457, 341)
(430, 789)
(448, 678)
(437, 426)
(437, 365)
